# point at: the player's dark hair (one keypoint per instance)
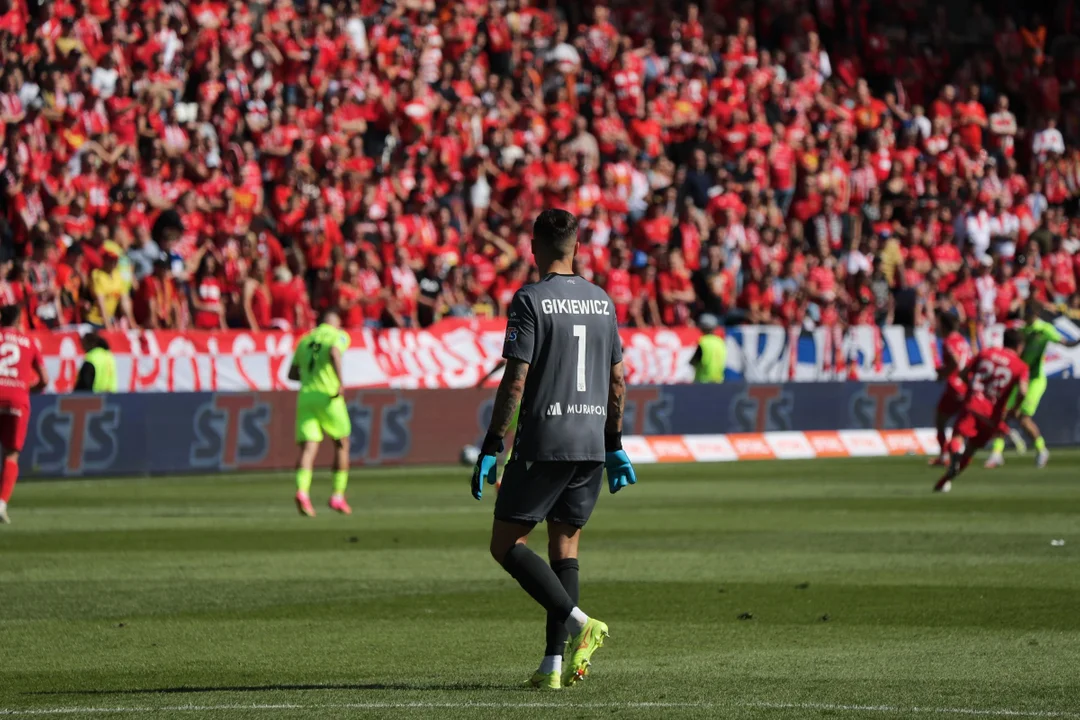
(1013, 339)
(9, 315)
(325, 314)
(92, 341)
(948, 322)
(1032, 308)
(557, 229)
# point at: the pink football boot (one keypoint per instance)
(303, 504)
(338, 504)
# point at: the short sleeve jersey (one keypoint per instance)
(312, 357)
(565, 328)
(1037, 336)
(995, 373)
(961, 350)
(18, 354)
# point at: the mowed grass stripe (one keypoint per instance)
(860, 589)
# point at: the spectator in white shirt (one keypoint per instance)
(357, 33)
(921, 123)
(1036, 201)
(1048, 141)
(977, 228)
(859, 259)
(104, 78)
(1002, 128)
(986, 288)
(1004, 229)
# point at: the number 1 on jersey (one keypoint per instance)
(579, 333)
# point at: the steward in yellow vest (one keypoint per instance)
(98, 371)
(710, 360)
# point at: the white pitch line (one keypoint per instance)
(973, 712)
(349, 706)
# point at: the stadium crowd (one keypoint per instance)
(217, 164)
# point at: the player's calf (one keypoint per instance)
(959, 456)
(341, 477)
(8, 477)
(943, 446)
(997, 453)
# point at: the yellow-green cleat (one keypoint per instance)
(582, 646)
(544, 681)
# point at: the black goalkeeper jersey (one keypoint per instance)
(565, 328)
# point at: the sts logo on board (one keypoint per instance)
(881, 406)
(231, 431)
(380, 426)
(77, 434)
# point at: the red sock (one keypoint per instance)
(7, 479)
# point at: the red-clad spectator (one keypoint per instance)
(373, 293)
(1062, 271)
(207, 295)
(1007, 301)
(445, 133)
(674, 289)
(507, 285)
(757, 298)
(820, 279)
(947, 258)
(26, 208)
(964, 295)
(42, 278)
(687, 235)
(21, 293)
(256, 300)
(971, 120)
(654, 230)
(617, 283)
(644, 310)
(348, 297)
(286, 311)
(158, 304)
(400, 280)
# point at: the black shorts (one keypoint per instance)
(565, 492)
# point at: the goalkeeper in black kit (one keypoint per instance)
(564, 365)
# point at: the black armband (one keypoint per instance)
(493, 444)
(612, 441)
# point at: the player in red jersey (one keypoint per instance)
(22, 371)
(955, 356)
(991, 378)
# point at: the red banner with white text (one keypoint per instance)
(452, 354)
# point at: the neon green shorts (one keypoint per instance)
(1036, 388)
(317, 414)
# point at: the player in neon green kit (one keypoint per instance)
(1037, 335)
(320, 409)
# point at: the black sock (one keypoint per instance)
(567, 572)
(538, 579)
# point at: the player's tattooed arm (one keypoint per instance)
(616, 399)
(508, 396)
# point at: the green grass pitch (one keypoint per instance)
(861, 593)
